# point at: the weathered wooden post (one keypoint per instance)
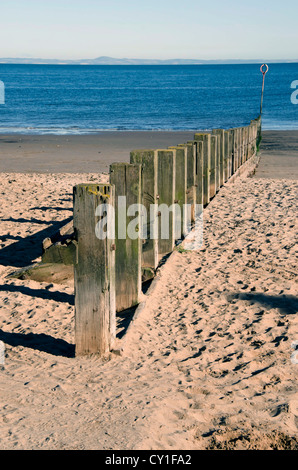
(94, 269)
(191, 178)
(254, 142)
(247, 142)
(166, 201)
(232, 152)
(240, 147)
(226, 156)
(220, 133)
(250, 141)
(205, 138)
(244, 144)
(199, 174)
(259, 131)
(213, 166)
(180, 189)
(126, 179)
(237, 149)
(149, 198)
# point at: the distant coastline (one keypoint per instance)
(104, 60)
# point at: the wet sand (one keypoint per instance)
(95, 152)
(79, 153)
(279, 155)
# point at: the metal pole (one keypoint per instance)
(264, 71)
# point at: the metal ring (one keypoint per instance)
(264, 71)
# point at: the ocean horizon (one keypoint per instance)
(75, 99)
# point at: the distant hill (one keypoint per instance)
(103, 60)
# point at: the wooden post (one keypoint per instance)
(213, 166)
(254, 148)
(166, 200)
(148, 161)
(126, 179)
(220, 133)
(205, 138)
(232, 152)
(254, 127)
(180, 189)
(246, 143)
(226, 155)
(243, 144)
(240, 146)
(200, 174)
(250, 141)
(237, 149)
(94, 269)
(258, 131)
(191, 178)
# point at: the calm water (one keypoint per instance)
(65, 99)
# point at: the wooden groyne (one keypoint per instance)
(109, 269)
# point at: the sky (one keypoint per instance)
(155, 29)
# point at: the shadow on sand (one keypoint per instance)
(286, 304)
(25, 250)
(40, 293)
(39, 342)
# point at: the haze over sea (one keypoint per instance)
(77, 99)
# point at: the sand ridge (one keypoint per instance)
(207, 363)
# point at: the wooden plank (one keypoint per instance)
(226, 161)
(232, 152)
(213, 166)
(126, 179)
(236, 149)
(250, 132)
(205, 138)
(180, 189)
(220, 133)
(246, 143)
(240, 146)
(199, 174)
(166, 198)
(231, 156)
(60, 253)
(191, 178)
(148, 161)
(94, 271)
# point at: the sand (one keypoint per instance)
(79, 153)
(94, 153)
(207, 363)
(279, 155)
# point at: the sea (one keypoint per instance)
(83, 99)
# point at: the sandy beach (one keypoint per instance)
(209, 361)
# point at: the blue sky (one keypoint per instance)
(157, 29)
